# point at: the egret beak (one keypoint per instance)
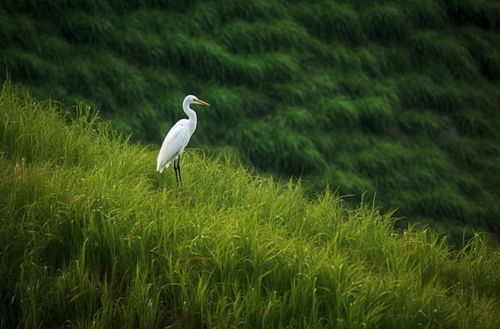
(199, 101)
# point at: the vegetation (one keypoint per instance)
(394, 97)
(92, 237)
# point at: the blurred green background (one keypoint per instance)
(398, 99)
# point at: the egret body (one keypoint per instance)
(178, 137)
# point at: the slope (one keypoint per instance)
(92, 237)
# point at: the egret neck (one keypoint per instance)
(191, 114)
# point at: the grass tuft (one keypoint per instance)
(385, 23)
(330, 21)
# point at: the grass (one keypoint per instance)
(385, 23)
(331, 21)
(299, 89)
(92, 237)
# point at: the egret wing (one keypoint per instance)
(175, 142)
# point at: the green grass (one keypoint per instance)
(91, 236)
(385, 23)
(299, 89)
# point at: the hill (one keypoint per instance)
(394, 97)
(92, 237)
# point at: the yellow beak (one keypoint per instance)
(199, 101)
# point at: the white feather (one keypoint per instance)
(178, 137)
(173, 145)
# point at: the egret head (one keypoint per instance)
(190, 99)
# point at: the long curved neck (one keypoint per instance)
(191, 115)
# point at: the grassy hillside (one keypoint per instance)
(397, 97)
(92, 237)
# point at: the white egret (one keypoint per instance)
(178, 138)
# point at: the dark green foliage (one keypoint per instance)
(329, 20)
(244, 37)
(422, 122)
(432, 47)
(338, 114)
(472, 123)
(376, 113)
(385, 23)
(421, 91)
(80, 27)
(397, 98)
(482, 13)
(425, 13)
(250, 10)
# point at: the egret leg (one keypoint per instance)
(179, 168)
(176, 174)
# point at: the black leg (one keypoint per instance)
(176, 174)
(179, 168)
